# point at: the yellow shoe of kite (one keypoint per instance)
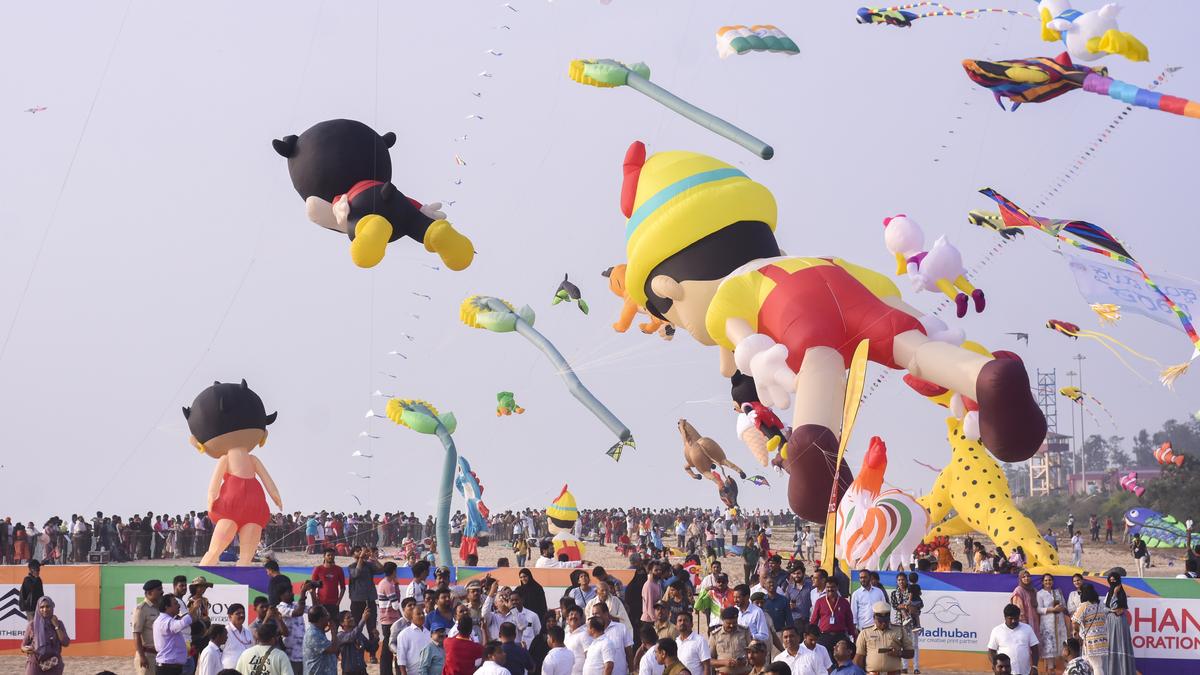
(773, 443)
(371, 235)
(455, 249)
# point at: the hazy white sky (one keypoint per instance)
(164, 247)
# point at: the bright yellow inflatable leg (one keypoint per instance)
(1117, 42)
(947, 288)
(371, 235)
(455, 249)
(963, 285)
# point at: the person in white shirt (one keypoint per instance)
(711, 580)
(559, 660)
(694, 652)
(618, 636)
(416, 590)
(750, 616)
(648, 663)
(239, 636)
(864, 598)
(616, 608)
(410, 643)
(493, 660)
(461, 611)
(1016, 640)
(601, 658)
(810, 658)
(546, 559)
(526, 620)
(212, 658)
(577, 638)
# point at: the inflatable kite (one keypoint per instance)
(423, 418)
(569, 292)
(1157, 530)
(1166, 455)
(507, 405)
(975, 488)
(630, 309)
(691, 215)
(1040, 79)
(497, 316)
(227, 422)
(471, 489)
(1091, 35)
(705, 457)
(608, 73)
(739, 40)
(1130, 482)
(938, 269)
(561, 517)
(1095, 239)
(757, 425)
(878, 529)
(1077, 395)
(900, 17)
(343, 171)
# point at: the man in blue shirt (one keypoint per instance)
(168, 636)
(516, 658)
(843, 660)
(442, 615)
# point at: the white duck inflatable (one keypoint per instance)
(1089, 36)
(938, 269)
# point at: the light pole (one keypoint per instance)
(1079, 359)
(1075, 449)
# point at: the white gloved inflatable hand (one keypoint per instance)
(766, 361)
(433, 211)
(938, 331)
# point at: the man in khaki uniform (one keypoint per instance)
(143, 628)
(728, 645)
(881, 647)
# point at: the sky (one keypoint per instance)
(151, 242)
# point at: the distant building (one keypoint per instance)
(1050, 466)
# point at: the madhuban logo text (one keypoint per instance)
(952, 633)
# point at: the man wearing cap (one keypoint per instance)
(756, 657)
(143, 628)
(881, 646)
(663, 626)
(728, 645)
(198, 606)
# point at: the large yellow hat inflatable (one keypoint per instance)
(674, 199)
(562, 511)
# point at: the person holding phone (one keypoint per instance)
(880, 647)
(728, 645)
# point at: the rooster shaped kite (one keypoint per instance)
(878, 529)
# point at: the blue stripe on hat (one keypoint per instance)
(673, 190)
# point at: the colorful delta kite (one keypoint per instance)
(1095, 239)
(1040, 79)
(227, 422)
(758, 480)
(1167, 455)
(877, 528)
(423, 418)
(738, 40)
(471, 489)
(342, 169)
(1156, 529)
(1088, 36)
(606, 73)
(792, 323)
(569, 292)
(561, 516)
(497, 316)
(1130, 482)
(939, 269)
(1076, 395)
(506, 404)
(899, 15)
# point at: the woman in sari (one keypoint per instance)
(1119, 660)
(44, 640)
(1091, 626)
(1051, 609)
(1024, 596)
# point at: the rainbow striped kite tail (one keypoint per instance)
(1143, 98)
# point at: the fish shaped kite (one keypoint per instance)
(1157, 530)
(1095, 239)
(1077, 395)
(1166, 455)
(1130, 482)
(569, 292)
(1074, 332)
(1040, 79)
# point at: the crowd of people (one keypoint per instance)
(670, 619)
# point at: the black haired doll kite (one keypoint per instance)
(343, 171)
(227, 422)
